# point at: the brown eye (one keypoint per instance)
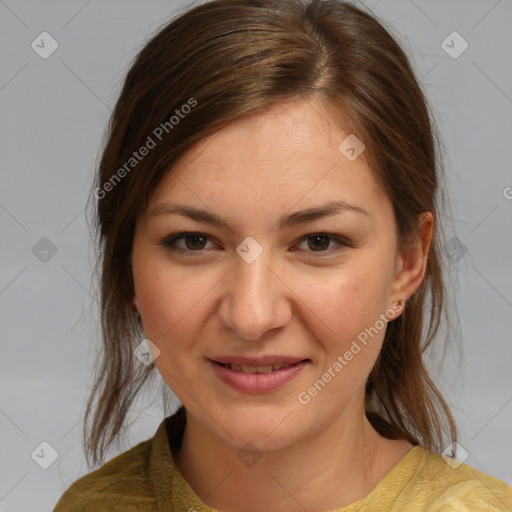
(322, 243)
(318, 242)
(193, 242)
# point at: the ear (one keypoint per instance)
(135, 304)
(412, 261)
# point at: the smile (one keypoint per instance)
(256, 369)
(257, 379)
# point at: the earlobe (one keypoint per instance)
(396, 309)
(135, 305)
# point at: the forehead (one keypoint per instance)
(289, 151)
(283, 133)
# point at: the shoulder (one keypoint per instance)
(448, 486)
(122, 481)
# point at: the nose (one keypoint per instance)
(256, 299)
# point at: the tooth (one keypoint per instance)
(257, 369)
(264, 369)
(279, 366)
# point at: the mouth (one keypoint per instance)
(257, 375)
(258, 369)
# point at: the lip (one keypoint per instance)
(258, 382)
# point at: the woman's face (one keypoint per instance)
(264, 277)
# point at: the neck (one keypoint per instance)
(328, 469)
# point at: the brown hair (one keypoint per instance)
(232, 58)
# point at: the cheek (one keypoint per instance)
(344, 316)
(171, 304)
(344, 304)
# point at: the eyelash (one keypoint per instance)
(169, 243)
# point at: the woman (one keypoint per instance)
(268, 220)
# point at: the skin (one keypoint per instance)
(291, 300)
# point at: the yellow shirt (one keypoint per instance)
(145, 479)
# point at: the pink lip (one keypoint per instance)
(257, 382)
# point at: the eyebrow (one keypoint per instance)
(291, 219)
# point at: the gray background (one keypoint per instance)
(53, 115)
